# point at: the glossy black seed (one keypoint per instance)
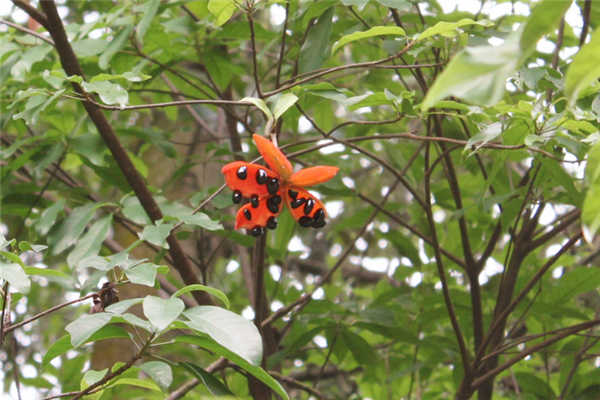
(261, 177)
(236, 197)
(297, 202)
(305, 221)
(247, 214)
(272, 223)
(273, 185)
(319, 219)
(242, 172)
(273, 204)
(308, 207)
(292, 193)
(254, 200)
(256, 231)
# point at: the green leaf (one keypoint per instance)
(584, 69)
(150, 9)
(448, 29)
(13, 273)
(85, 326)
(221, 9)
(314, 49)
(89, 47)
(373, 32)
(227, 329)
(136, 382)
(476, 74)
(532, 384)
(212, 383)
(215, 292)
(110, 93)
(157, 234)
(590, 214)
(91, 242)
(121, 306)
(577, 281)
(260, 103)
(73, 227)
(161, 312)
(115, 45)
(160, 372)
(143, 274)
(62, 345)
(202, 220)
(284, 102)
(253, 370)
(544, 18)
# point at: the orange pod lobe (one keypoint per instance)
(250, 179)
(313, 176)
(273, 156)
(259, 213)
(305, 208)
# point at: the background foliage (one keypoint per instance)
(459, 258)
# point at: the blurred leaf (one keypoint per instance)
(161, 312)
(584, 70)
(213, 384)
(214, 292)
(110, 93)
(448, 29)
(373, 32)
(13, 273)
(114, 46)
(150, 9)
(90, 243)
(160, 372)
(252, 369)
(314, 49)
(143, 274)
(85, 326)
(226, 328)
(222, 9)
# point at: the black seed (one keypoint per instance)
(310, 203)
(261, 177)
(273, 185)
(247, 214)
(272, 223)
(297, 202)
(319, 219)
(256, 231)
(292, 193)
(273, 204)
(242, 172)
(254, 200)
(305, 221)
(236, 197)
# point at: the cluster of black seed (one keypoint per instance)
(273, 202)
(317, 220)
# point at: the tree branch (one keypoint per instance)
(71, 66)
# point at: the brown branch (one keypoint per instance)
(498, 321)
(118, 372)
(297, 384)
(442, 274)
(253, 47)
(533, 349)
(27, 31)
(327, 71)
(71, 66)
(587, 10)
(32, 12)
